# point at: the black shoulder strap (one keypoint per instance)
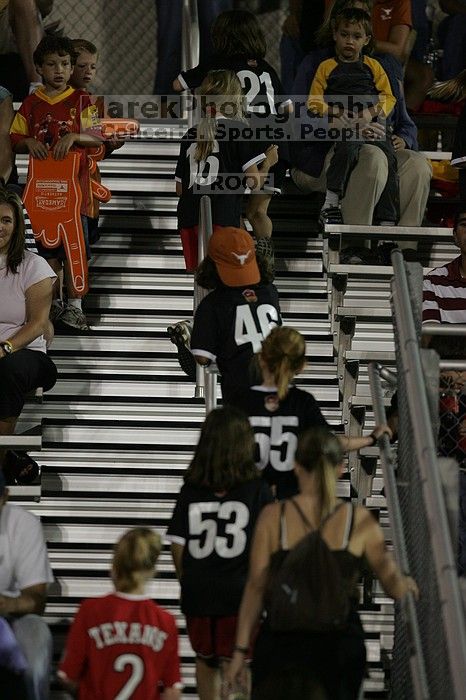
(281, 531)
(301, 515)
(330, 515)
(348, 526)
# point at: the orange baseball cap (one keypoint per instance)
(234, 255)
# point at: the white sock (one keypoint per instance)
(77, 303)
(331, 199)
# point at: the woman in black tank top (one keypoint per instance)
(325, 663)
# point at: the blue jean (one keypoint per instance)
(421, 24)
(452, 36)
(169, 20)
(35, 640)
(291, 55)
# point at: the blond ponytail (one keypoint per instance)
(134, 558)
(225, 98)
(319, 452)
(283, 353)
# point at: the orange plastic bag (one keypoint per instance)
(53, 201)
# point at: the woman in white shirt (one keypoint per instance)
(26, 282)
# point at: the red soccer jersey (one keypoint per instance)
(48, 119)
(123, 646)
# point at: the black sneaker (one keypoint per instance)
(330, 215)
(180, 335)
(357, 255)
(384, 252)
(20, 468)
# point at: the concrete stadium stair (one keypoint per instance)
(119, 427)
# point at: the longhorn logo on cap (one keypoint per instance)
(242, 258)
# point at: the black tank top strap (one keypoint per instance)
(282, 534)
(349, 526)
(301, 514)
(330, 515)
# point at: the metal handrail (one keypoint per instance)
(190, 46)
(206, 382)
(424, 444)
(416, 658)
(444, 329)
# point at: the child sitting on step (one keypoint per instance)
(350, 74)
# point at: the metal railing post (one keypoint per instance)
(206, 382)
(452, 609)
(190, 44)
(416, 659)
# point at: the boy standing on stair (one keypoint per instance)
(350, 74)
(57, 118)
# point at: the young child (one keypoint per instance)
(209, 153)
(124, 644)
(239, 45)
(84, 72)
(232, 321)
(352, 74)
(279, 412)
(58, 118)
(211, 531)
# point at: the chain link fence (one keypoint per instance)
(125, 36)
(446, 400)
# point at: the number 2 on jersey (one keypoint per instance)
(137, 674)
(246, 330)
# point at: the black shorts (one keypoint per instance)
(58, 253)
(22, 372)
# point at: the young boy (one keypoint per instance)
(351, 74)
(83, 74)
(231, 322)
(58, 118)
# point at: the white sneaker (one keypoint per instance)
(72, 317)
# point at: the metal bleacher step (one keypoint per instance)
(120, 425)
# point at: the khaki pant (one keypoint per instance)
(367, 182)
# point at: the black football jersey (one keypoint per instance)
(276, 426)
(220, 175)
(229, 326)
(260, 82)
(216, 533)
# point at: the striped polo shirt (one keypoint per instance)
(444, 294)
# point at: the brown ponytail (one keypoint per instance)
(319, 451)
(283, 353)
(134, 558)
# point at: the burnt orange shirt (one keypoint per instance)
(385, 15)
